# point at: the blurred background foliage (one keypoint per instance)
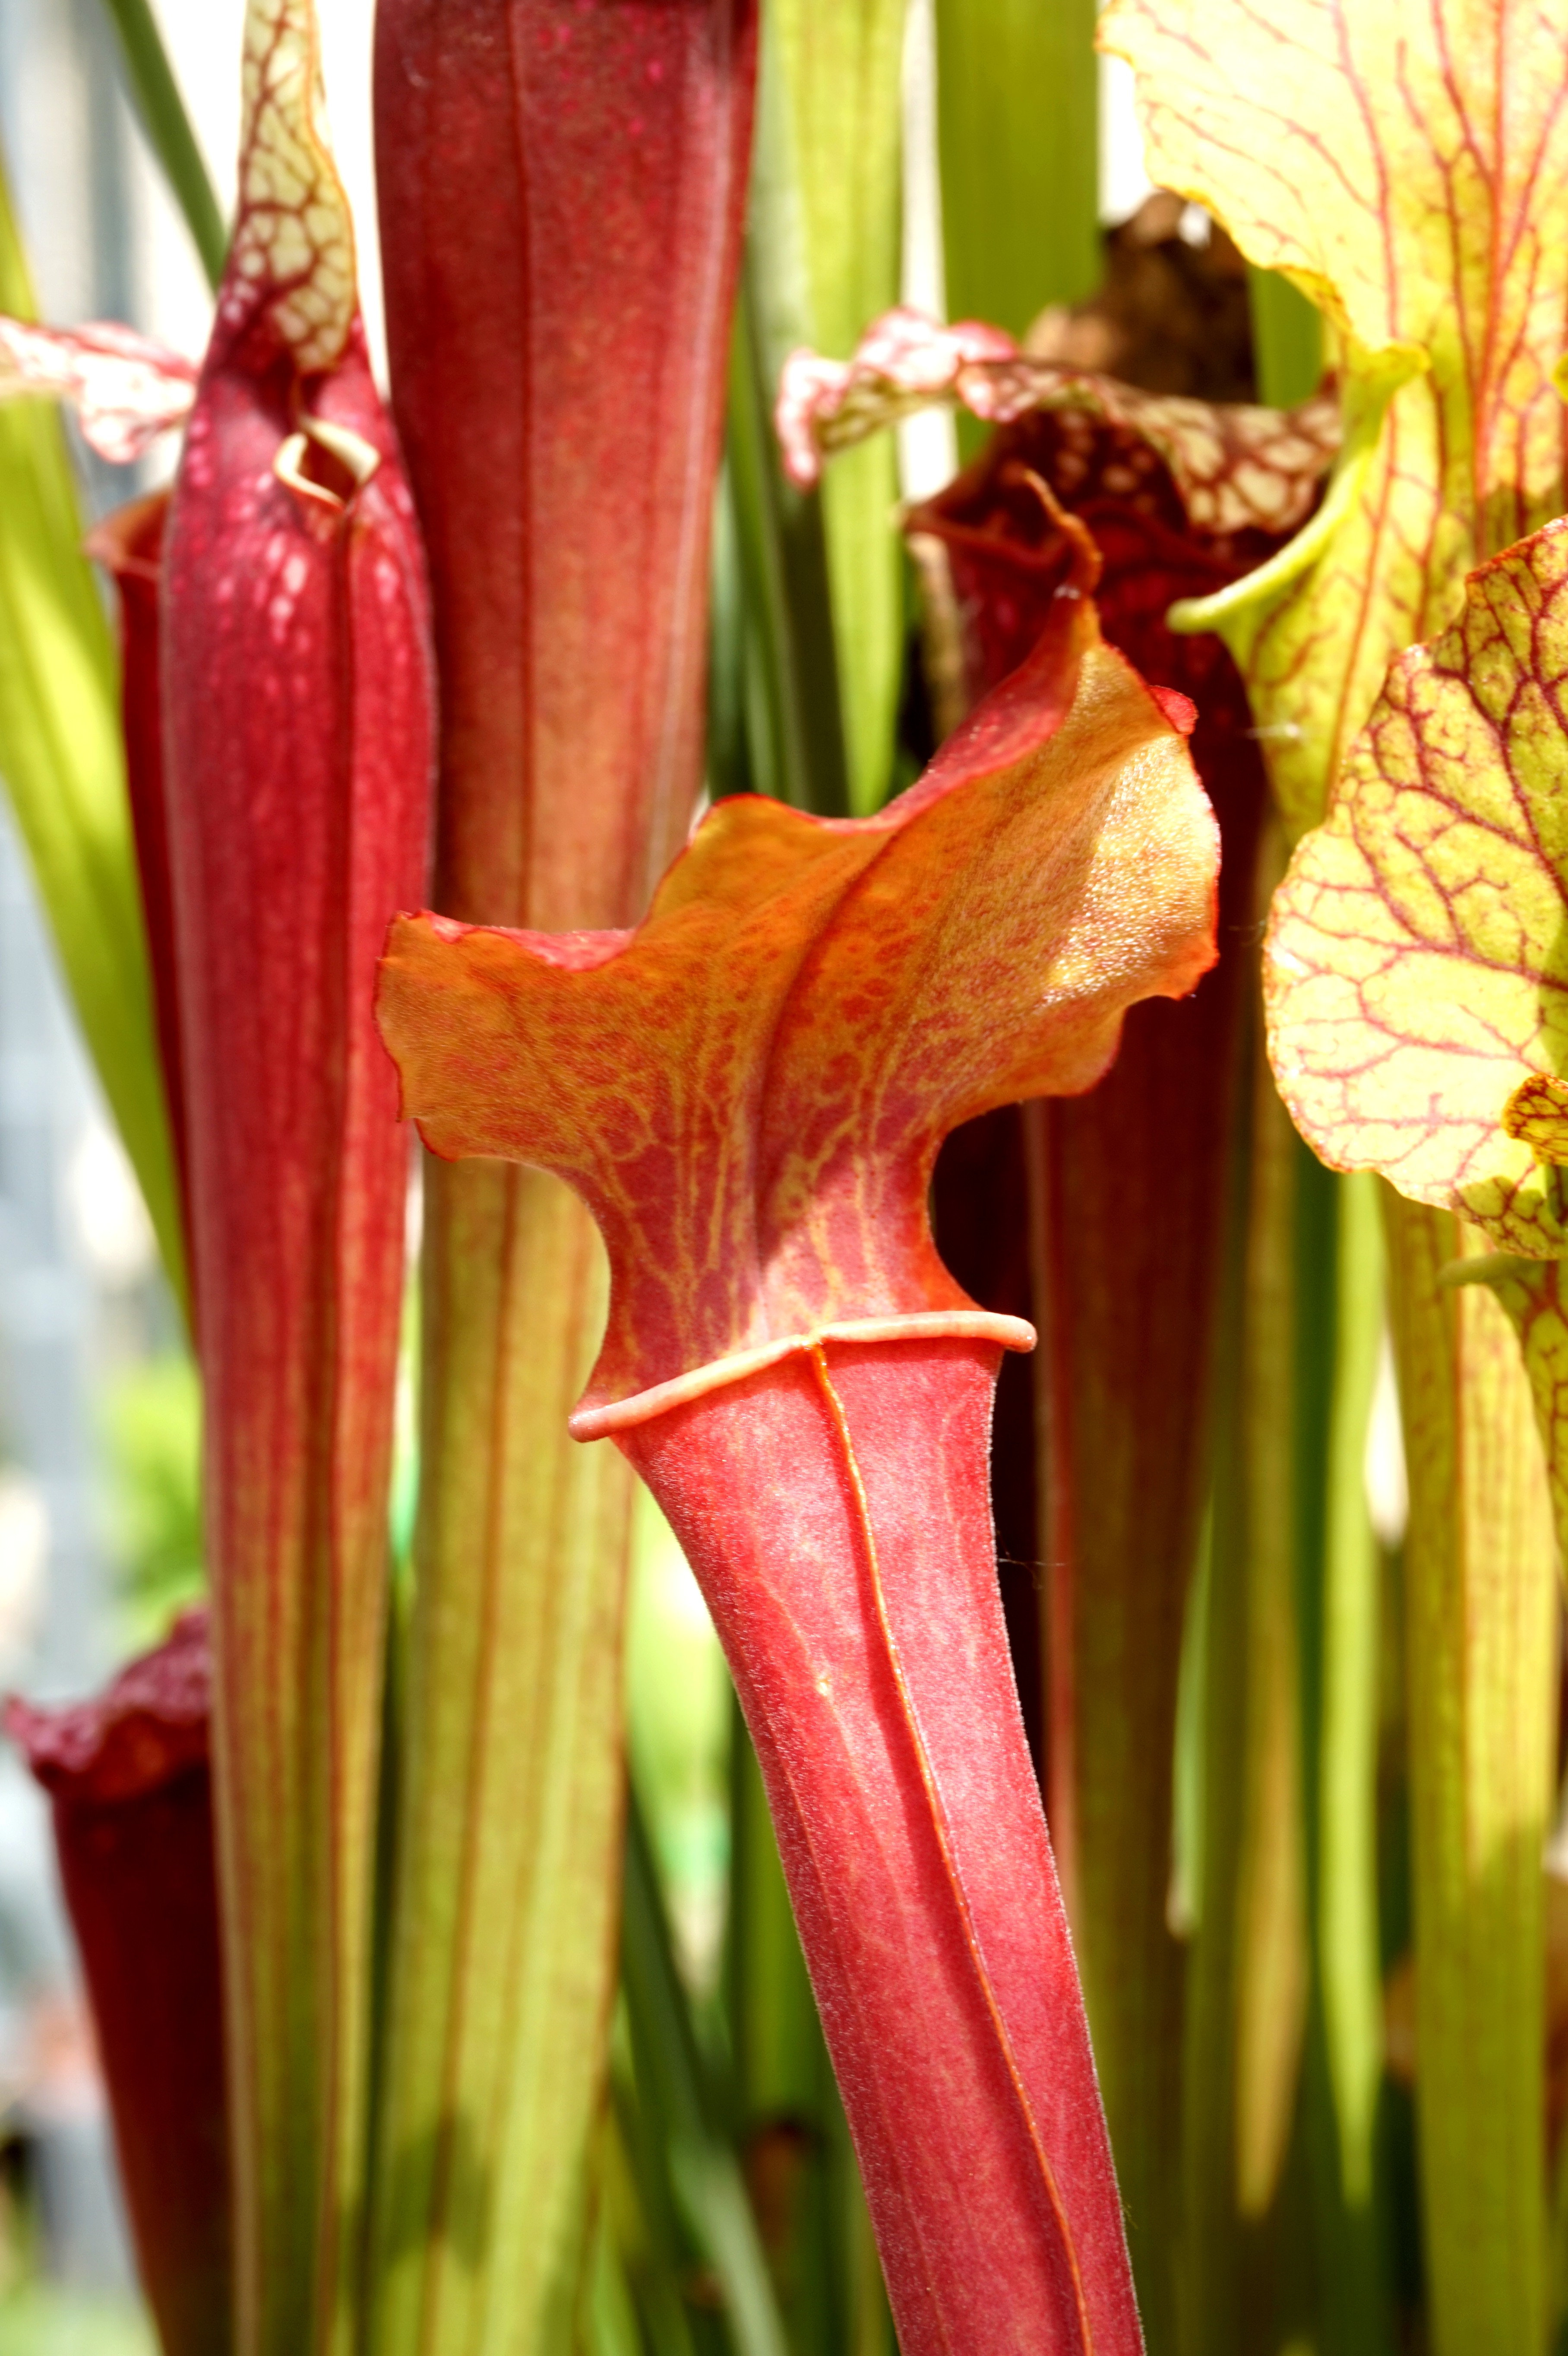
(152, 1444)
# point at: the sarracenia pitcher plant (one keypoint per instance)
(749, 1092)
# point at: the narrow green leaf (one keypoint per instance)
(1339, 1295)
(1284, 2048)
(609, 2321)
(1346, 1775)
(1185, 1901)
(774, 2027)
(1209, 2281)
(652, 2252)
(168, 125)
(1018, 128)
(824, 234)
(785, 680)
(785, 2101)
(671, 2082)
(1271, 1963)
(727, 754)
(1287, 339)
(1248, 1974)
(63, 761)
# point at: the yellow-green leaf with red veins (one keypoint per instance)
(751, 1089)
(1417, 960)
(293, 238)
(1407, 163)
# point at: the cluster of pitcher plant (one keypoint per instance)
(1246, 807)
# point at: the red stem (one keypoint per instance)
(835, 1508)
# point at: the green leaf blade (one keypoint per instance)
(829, 138)
(63, 757)
(168, 127)
(1018, 116)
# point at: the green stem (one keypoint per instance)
(1347, 1765)
(1340, 1291)
(1283, 2052)
(1283, 2055)
(1271, 1953)
(1209, 2302)
(1480, 1600)
(1532, 1293)
(502, 1933)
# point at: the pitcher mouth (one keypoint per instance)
(919, 1326)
